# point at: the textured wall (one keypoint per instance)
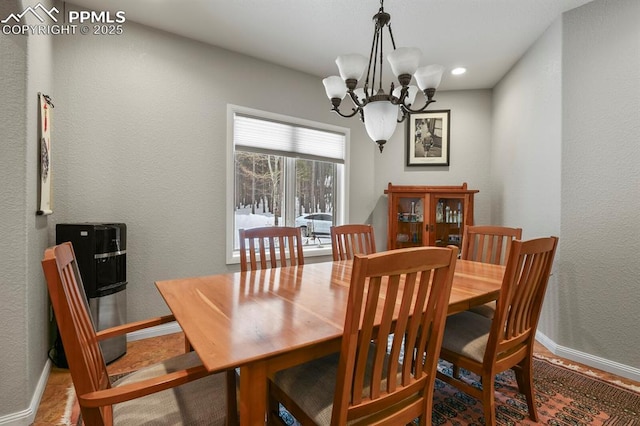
(600, 272)
(142, 131)
(24, 70)
(526, 151)
(565, 160)
(39, 79)
(12, 224)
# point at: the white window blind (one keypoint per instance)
(289, 140)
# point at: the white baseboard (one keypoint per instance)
(603, 364)
(27, 416)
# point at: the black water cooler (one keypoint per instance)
(101, 253)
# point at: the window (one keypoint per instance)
(284, 171)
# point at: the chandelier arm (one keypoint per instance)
(355, 100)
(420, 109)
(337, 111)
(404, 92)
(405, 113)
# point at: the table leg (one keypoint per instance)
(253, 394)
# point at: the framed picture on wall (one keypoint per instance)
(428, 141)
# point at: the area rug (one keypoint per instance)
(564, 396)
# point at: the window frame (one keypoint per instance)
(341, 213)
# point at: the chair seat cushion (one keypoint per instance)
(467, 334)
(312, 385)
(201, 402)
(487, 310)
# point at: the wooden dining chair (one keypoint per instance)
(488, 244)
(276, 246)
(178, 390)
(487, 347)
(347, 240)
(395, 315)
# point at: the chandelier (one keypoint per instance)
(379, 110)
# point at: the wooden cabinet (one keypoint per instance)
(428, 215)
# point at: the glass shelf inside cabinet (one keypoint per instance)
(449, 220)
(409, 222)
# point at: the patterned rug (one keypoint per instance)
(564, 396)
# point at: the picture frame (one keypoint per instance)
(428, 142)
(45, 190)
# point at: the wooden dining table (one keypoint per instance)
(267, 320)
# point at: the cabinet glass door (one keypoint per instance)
(410, 222)
(449, 221)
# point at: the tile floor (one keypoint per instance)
(139, 354)
(144, 352)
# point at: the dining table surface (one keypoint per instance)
(266, 320)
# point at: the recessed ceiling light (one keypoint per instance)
(458, 71)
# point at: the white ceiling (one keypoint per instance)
(485, 36)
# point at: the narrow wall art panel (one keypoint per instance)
(45, 202)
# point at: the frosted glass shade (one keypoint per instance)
(404, 60)
(360, 94)
(351, 66)
(429, 77)
(411, 96)
(380, 119)
(335, 87)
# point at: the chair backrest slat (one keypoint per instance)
(521, 296)
(488, 244)
(393, 330)
(348, 240)
(275, 245)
